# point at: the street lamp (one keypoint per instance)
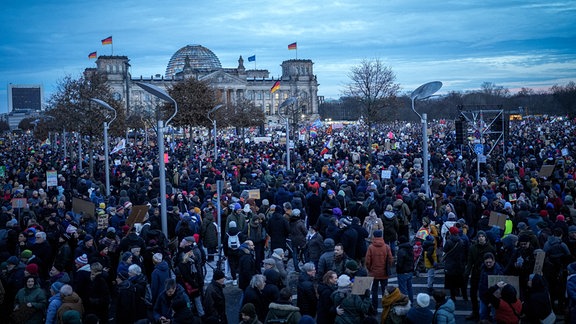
(423, 92)
(288, 102)
(162, 94)
(212, 111)
(106, 148)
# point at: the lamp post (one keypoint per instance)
(423, 92)
(106, 146)
(212, 111)
(288, 102)
(162, 94)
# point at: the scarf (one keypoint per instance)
(389, 300)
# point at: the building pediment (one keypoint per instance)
(221, 77)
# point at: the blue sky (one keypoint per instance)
(462, 43)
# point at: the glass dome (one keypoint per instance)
(200, 58)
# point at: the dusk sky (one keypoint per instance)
(462, 43)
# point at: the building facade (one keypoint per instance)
(231, 84)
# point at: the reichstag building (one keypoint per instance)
(197, 61)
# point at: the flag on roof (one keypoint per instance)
(92, 55)
(275, 87)
(292, 46)
(107, 40)
(252, 58)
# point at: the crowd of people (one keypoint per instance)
(347, 208)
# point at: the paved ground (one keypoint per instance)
(463, 308)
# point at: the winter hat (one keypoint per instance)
(507, 205)
(572, 229)
(509, 241)
(13, 260)
(32, 269)
(337, 212)
(402, 239)
(278, 251)
(26, 254)
(523, 238)
(232, 224)
(378, 233)
(237, 206)
(88, 237)
(451, 216)
(453, 230)
(190, 239)
(572, 268)
(249, 310)
(544, 213)
(270, 261)
(218, 274)
(83, 259)
(423, 300)
(344, 281)
(265, 202)
(126, 255)
(351, 265)
(481, 232)
(522, 225)
(331, 192)
(125, 229)
(55, 287)
(111, 229)
(157, 257)
(102, 205)
(307, 319)
(560, 218)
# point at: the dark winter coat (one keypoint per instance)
(454, 256)
(159, 275)
(307, 300)
(355, 307)
(246, 266)
(209, 232)
(326, 310)
(284, 310)
(278, 229)
(314, 248)
(349, 240)
(215, 303)
(405, 258)
(255, 297)
(391, 226)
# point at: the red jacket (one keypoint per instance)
(505, 314)
(378, 258)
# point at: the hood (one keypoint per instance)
(389, 214)
(398, 203)
(284, 307)
(329, 244)
(73, 299)
(448, 306)
(162, 266)
(378, 241)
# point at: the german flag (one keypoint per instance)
(275, 87)
(292, 46)
(92, 55)
(107, 41)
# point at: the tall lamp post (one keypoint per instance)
(162, 94)
(106, 146)
(212, 111)
(288, 102)
(423, 92)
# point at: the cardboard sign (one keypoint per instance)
(386, 174)
(546, 171)
(137, 215)
(85, 207)
(539, 264)
(497, 219)
(254, 193)
(361, 284)
(19, 203)
(51, 178)
(103, 221)
(511, 280)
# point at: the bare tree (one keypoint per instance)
(565, 96)
(373, 85)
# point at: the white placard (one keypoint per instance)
(386, 174)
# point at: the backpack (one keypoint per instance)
(233, 241)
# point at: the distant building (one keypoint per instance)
(24, 100)
(196, 61)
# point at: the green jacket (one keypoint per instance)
(37, 297)
(355, 307)
(283, 311)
